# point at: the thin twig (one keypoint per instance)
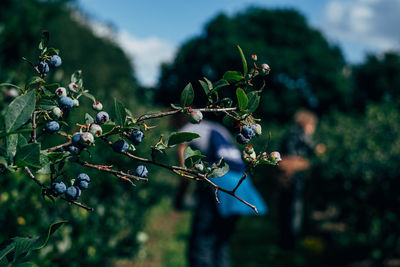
(55, 148)
(240, 182)
(33, 177)
(114, 172)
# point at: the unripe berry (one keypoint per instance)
(120, 146)
(76, 103)
(102, 117)
(43, 67)
(73, 193)
(248, 132)
(248, 157)
(66, 102)
(257, 129)
(265, 69)
(61, 92)
(141, 171)
(136, 137)
(199, 167)
(97, 105)
(249, 149)
(52, 127)
(241, 139)
(11, 94)
(73, 87)
(196, 116)
(254, 57)
(58, 188)
(96, 129)
(86, 138)
(57, 112)
(55, 61)
(275, 157)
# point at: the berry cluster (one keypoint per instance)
(73, 192)
(247, 133)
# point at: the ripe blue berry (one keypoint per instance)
(81, 184)
(52, 127)
(82, 181)
(83, 177)
(136, 137)
(248, 132)
(241, 139)
(55, 61)
(73, 193)
(141, 171)
(76, 138)
(66, 102)
(58, 188)
(120, 146)
(43, 67)
(102, 117)
(73, 150)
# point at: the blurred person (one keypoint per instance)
(297, 147)
(214, 223)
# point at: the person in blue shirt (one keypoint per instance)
(213, 223)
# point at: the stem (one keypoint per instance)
(34, 126)
(172, 112)
(55, 148)
(119, 174)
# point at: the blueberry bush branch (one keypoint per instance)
(42, 110)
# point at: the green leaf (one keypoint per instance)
(28, 155)
(119, 113)
(178, 138)
(187, 95)
(218, 85)
(19, 111)
(9, 85)
(25, 264)
(56, 156)
(254, 101)
(44, 40)
(12, 143)
(90, 96)
(88, 119)
(53, 51)
(33, 81)
(219, 171)
(46, 104)
(244, 62)
(6, 247)
(242, 98)
(232, 76)
(45, 163)
(76, 77)
(207, 85)
(108, 127)
(23, 245)
(191, 157)
(53, 228)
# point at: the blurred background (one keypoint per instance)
(339, 59)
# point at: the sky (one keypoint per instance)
(150, 32)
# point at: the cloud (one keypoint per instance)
(371, 24)
(147, 55)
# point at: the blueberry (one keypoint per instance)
(52, 127)
(57, 112)
(196, 116)
(66, 102)
(241, 139)
(120, 146)
(61, 91)
(76, 103)
(86, 138)
(275, 157)
(43, 67)
(73, 150)
(73, 87)
(73, 193)
(55, 61)
(248, 132)
(82, 184)
(257, 129)
(83, 177)
(95, 129)
(97, 105)
(76, 138)
(136, 137)
(102, 117)
(141, 171)
(58, 188)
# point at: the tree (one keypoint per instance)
(307, 71)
